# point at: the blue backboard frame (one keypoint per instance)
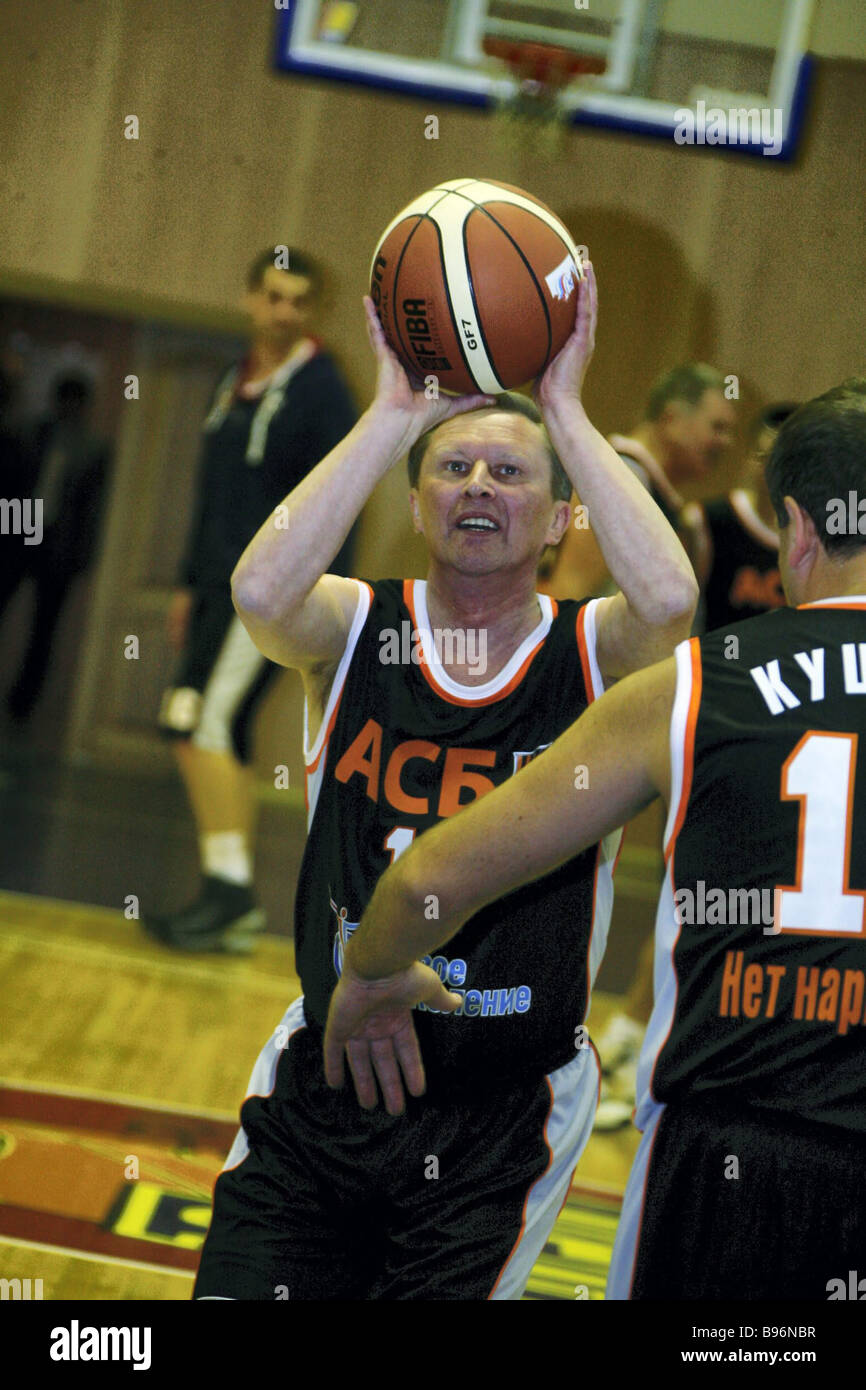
(380, 72)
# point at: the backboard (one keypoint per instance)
(732, 75)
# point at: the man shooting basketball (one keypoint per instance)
(752, 1079)
(318, 1198)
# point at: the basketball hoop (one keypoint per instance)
(541, 71)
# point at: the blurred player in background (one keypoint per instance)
(687, 427)
(752, 1080)
(316, 1196)
(736, 543)
(274, 417)
(734, 546)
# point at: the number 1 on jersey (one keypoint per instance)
(819, 773)
(399, 840)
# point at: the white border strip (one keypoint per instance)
(678, 727)
(362, 611)
(492, 687)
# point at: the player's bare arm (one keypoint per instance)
(526, 828)
(296, 613)
(658, 591)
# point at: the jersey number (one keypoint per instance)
(820, 775)
(399, 840)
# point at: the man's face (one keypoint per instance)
(281, 308)
(698, 435)
(483, 499)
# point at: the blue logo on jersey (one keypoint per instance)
(342, 935)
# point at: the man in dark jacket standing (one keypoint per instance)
(274, 417)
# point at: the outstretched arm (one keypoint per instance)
(658, 592)
(526, 828)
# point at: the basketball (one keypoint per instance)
(475, 283)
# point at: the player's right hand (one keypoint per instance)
(399, 393)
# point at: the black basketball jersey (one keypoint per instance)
(403, 746)
(761, 931)
(744, 577)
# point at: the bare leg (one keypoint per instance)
(220, 790)
(225, 916)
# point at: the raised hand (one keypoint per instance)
(397, 391)
(563, 377)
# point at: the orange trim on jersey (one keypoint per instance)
(310, 769)
(443, 694)
(313, 766)
(533, 1184)
(688, 741)
(671, 966)
(619, 851)
(801, 797)
(583, 648)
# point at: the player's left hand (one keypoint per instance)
(371, 1022)
(563, 378)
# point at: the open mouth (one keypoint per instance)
(479, 524)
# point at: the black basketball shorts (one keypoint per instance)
(220, 680)
(320, 1200)
(728, 1202)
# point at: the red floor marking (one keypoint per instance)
(63, 1183)
(117, 1117)
(49, 1228)
(63, 1178)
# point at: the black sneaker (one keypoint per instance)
(225, 917)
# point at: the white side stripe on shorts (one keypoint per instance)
(574, 1092)
(620, 1275)
(264, 1073)
(235, 669)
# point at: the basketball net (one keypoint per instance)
(535, 112)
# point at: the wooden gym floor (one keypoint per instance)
(94, 1013)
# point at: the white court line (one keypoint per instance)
(117, 1098)
(175, 966)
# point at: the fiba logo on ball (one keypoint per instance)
(476, 281)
